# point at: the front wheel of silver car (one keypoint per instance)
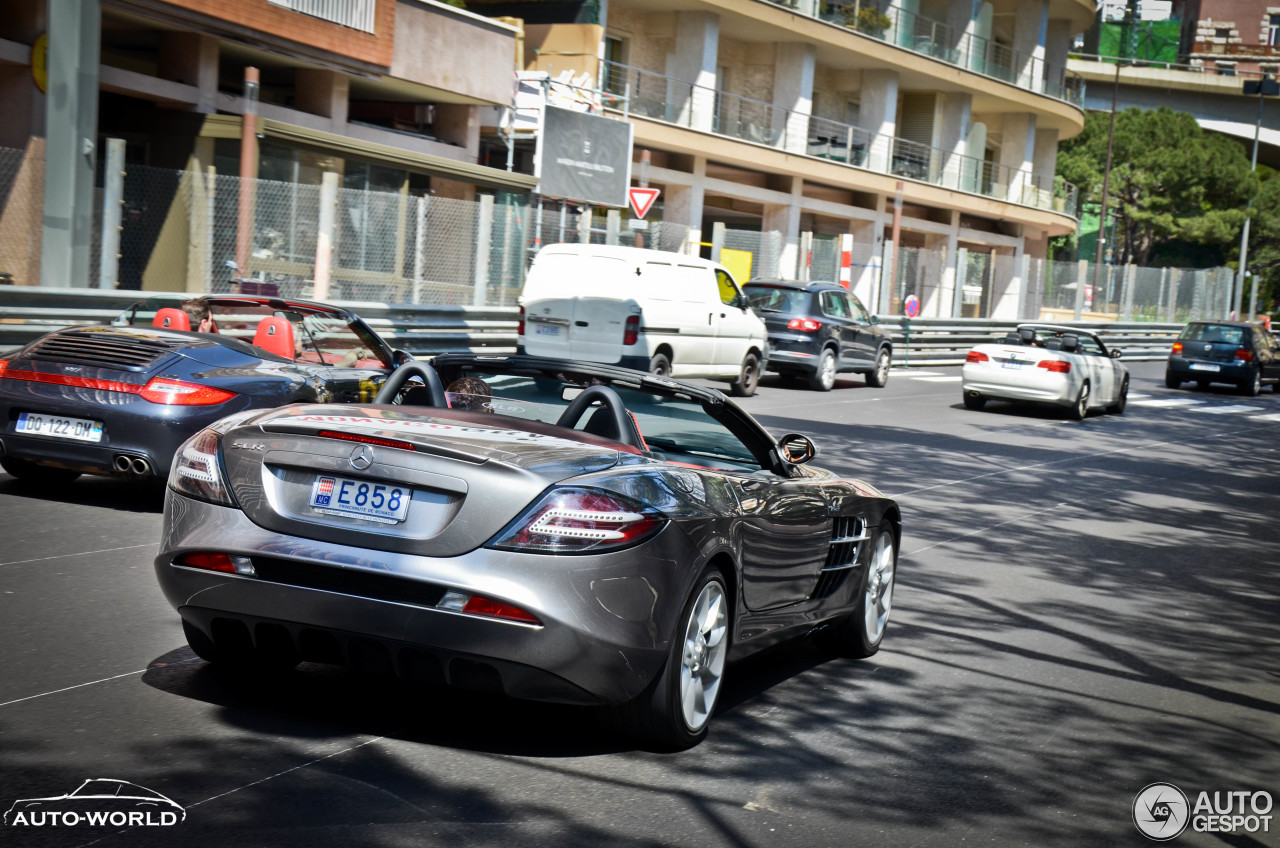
(1122, 399)
(860, 634)
(880, 374)
(675, 712)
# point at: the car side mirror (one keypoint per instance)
(1115, 353)
(874, 320)
(797, 449)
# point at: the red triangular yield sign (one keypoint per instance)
(641, 199)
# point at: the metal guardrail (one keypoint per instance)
(28, 312)
(945, 341)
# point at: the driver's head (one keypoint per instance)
(470, 393)
(199, 314)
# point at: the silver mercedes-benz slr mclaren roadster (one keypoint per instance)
(545, 529)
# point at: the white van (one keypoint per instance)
(666, 313)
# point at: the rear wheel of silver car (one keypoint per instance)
(660, 365)
(1080, 408)
(860, 634)
(1122, 399)
(824, 378)
(1253, 385)
(675, 712)
(748, 377)
(880, 374)
(35, 473)
(974, 401)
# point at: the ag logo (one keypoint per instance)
(1161, 811)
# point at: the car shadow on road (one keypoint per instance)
(106, 492)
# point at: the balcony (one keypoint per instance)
(935, 39)
(649, 95)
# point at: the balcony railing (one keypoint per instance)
(685, 104)
(930, 37)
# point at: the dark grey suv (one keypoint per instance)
(1234, 352)
(818, 329)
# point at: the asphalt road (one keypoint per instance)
(1083, 609)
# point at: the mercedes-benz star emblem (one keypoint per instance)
(362, 457)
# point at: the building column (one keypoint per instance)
(1017, 153)
(793, 95)
(458, 124)
(1056, 49)
(785, 218)
(1030, 28)
(951, 136)
(71, 131)
(694, 61)
(867, 240)
(191, 58)
(1044, 166)
(878, 112)
(322, 92)
(947, 286)
(962, 18)
(682, 205)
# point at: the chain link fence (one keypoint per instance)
(178, 232)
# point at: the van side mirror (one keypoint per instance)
(741, 301)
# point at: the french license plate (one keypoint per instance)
(1204, 366)
(1009, 363)
(61, 427)
(546, 330)
(379, 502)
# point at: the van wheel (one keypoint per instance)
(748, 378)
(660, 365)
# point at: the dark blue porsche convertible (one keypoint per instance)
(119, 399)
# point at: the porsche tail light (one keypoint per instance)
(631, 334)
(487, 607)
(4, 363)
(1177, 347)
(197, 472)
(1243, 354)
(1055, 366)
(520, 324)
(807, 325)
(572, 521)
(977, 356)
(177, 393)
(211, 561)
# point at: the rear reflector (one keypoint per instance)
(365, 440)
(488, 607)
(977, 356)
(218, 562)
(1055, 366)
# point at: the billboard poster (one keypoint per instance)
(584, 157)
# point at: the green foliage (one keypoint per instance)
(865, 18)
(1171, 182)
(1264, 240)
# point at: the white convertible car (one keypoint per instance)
(1043, 363)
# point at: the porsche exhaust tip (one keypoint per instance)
(139, 467)
(134, 465)
(121, 463)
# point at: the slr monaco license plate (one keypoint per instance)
(386, 504)
(59, 426)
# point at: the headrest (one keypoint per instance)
(275, 335)
(1070, 343)
(171, 319)
(1027, 335)
(1013, 339)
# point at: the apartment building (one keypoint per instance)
(1241, 36)
(385, 93)
(803, 117)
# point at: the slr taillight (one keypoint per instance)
(573, 520)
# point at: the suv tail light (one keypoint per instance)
(807, 325)
(573, 520)
(1243, 354)
(977, 356)
(1055, 366)
(631, 334)
(1177, 347)
(177, 393)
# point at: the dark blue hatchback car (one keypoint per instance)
(819, 329)
(1237, 353)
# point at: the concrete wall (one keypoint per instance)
(454, 51)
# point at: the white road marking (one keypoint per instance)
(77, 553)
(69, 688)
(1226, 410)
(911, 372)
(939, 379)
(1167, 402)
(1273, 416)
(1136, 395)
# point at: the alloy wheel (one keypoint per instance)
(703, 658)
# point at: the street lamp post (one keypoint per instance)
(1263, 88)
